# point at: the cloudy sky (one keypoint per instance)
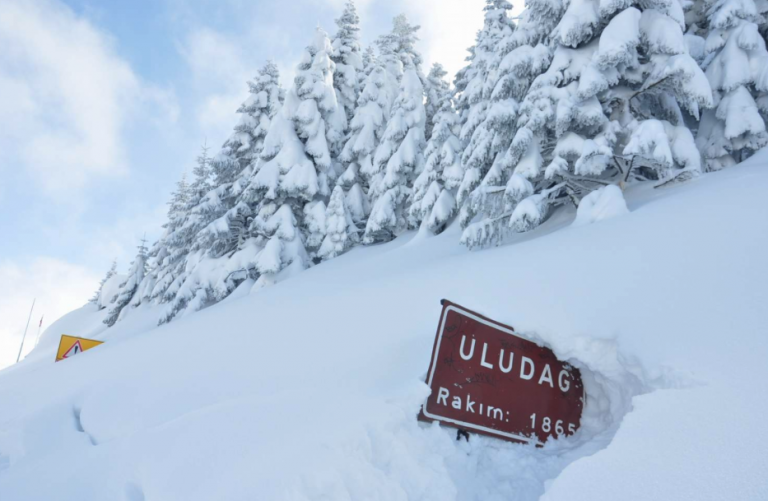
(105, 103)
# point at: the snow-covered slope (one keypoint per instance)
(309, 389)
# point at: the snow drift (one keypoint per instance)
(309, 389)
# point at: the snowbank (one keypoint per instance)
(309, 389)
(605, 203)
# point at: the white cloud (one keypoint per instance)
(448, 29)
(220, 68)
(67, 94)
(58, 287)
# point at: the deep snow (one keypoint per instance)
(309, 389)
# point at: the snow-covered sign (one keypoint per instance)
(70, 346)
(488, 380)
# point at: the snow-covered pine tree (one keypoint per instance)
(110, 274)
(735, 62)
(610, 108)
(348, 57)
(433, 201)
(474, 83)
(183, 226)
(246, 142)
(320, 123)
(435, 89)
(369, 62)
(129, 287)
(151, 268)
(399, 159)
(296, 167)
(488, 116)
(366, 132)
(340, 230)
(401, 42)
(219, 221)
(159, 258)
(356, 199)
(228, 207)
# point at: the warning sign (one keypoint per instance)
(70, 346)
(486, 379)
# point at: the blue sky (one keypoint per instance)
(104, 104)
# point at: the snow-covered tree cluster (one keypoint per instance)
(567, 98)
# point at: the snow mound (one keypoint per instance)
(605, 203)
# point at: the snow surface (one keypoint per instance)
(309, 389)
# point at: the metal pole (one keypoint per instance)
(25, 330)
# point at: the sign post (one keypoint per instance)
(69, 346)
(486, 379)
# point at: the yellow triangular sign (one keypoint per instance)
(69, 346)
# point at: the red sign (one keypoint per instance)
(486, 379)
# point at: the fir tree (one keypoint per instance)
(735, 61)
(181, 232)
(246, 142)
(160, 253)
(228, 207)
(297, 167)
(369, 61)
(319, 119)
(435, 90)
(401, 42)
(519, 57)
(611, 107)
(129, 287)
(224, 215)
(96, 299)
(399, 158)
(433, 200)
(476, 83)
(366, 132)
(340, 230)
(347, 55)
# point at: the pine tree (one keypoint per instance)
(366, 132)
(433, 199)
(160, 253)
(611, 107)
(220, 218)
(483, 132)
(246, 142)
(347, 55)
(356, 199)
(297, 168)
(399, 158)
(435, 90)
(369, 62)
(129, 287)
(340, 230)
(228, 208)
(320, 121)
(735, 61)
(97, 295)
(181, 232)
(401, 42)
